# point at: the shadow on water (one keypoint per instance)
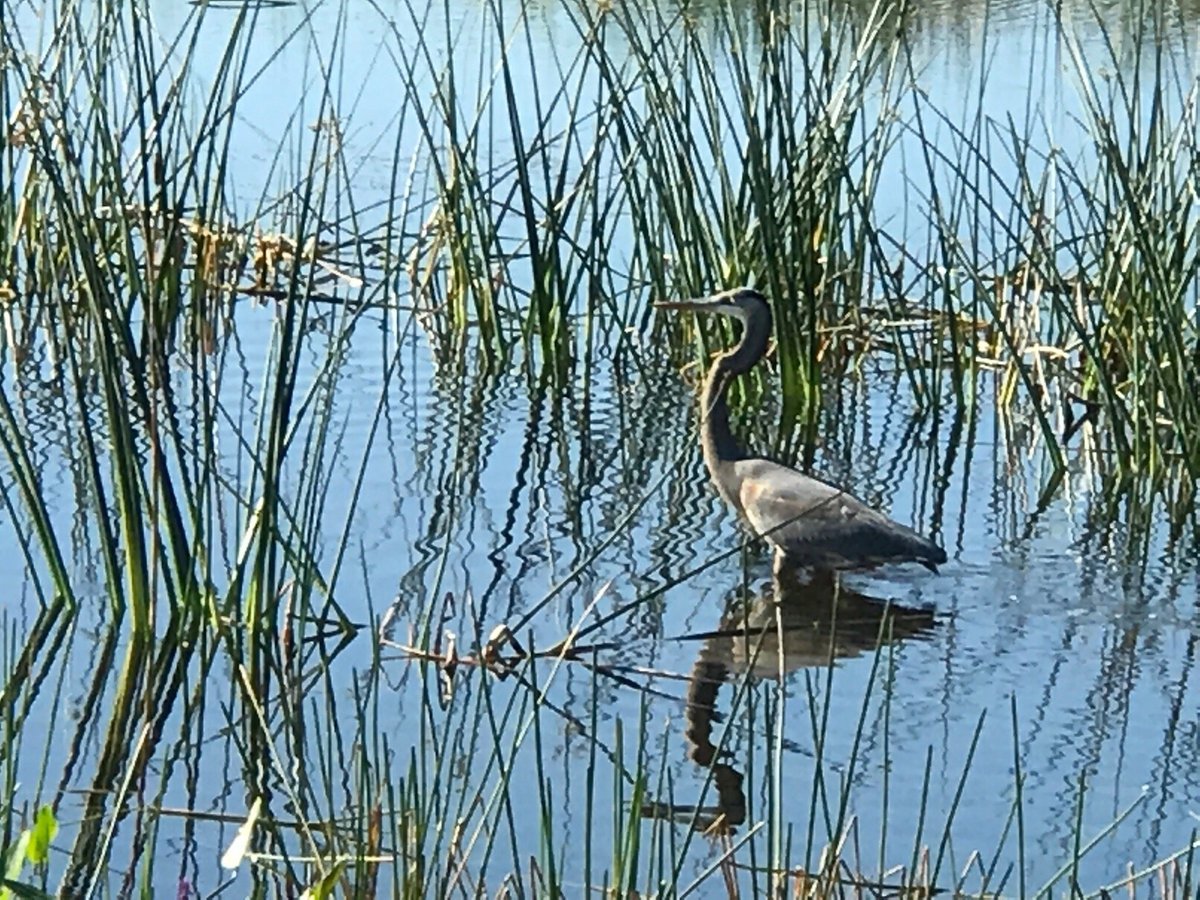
(795, 622)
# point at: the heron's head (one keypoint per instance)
(744, 303)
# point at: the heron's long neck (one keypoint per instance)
(717, 438)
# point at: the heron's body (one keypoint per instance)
(809, 522)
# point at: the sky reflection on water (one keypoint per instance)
(494, 492)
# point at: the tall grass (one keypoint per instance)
(535, 200)
(123, 260)
(681, 151)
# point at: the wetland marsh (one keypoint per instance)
(357, 534)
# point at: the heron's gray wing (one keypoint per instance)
(816, 523)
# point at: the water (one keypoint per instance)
(1070, 656)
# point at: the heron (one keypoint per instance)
(810, 523)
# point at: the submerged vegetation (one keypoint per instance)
(198, 255)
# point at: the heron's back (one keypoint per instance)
(818, 524)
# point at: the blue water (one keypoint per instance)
(495, 493)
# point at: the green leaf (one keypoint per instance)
(323, 889)
(22, 891)
(15, 858)
(45, 827)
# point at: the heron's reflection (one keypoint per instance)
(795, 622)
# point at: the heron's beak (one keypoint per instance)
(699, 304)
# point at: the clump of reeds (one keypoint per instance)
(123, 260)
(533, 220)
(792, 146)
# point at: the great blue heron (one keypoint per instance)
(810, 523)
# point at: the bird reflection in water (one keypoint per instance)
(796, 622)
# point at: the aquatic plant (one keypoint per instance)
(195, 558)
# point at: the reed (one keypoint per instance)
(534, 202)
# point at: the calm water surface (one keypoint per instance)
(492, 491)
